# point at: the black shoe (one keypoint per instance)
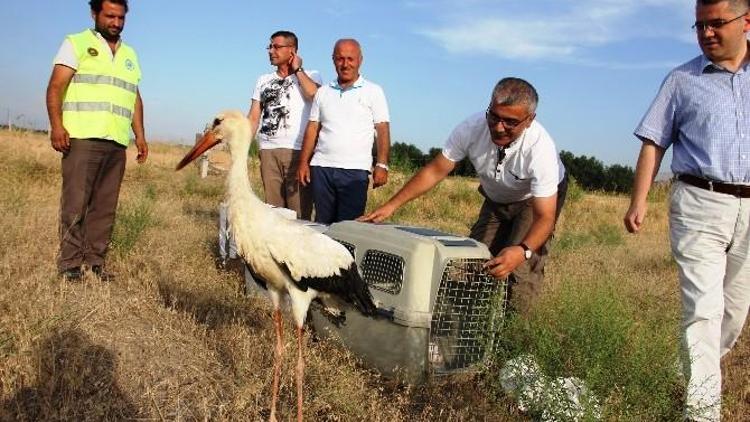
(72, 274)
(102, 274)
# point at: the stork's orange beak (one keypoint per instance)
(207, 142)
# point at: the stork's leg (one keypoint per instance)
(276, 362)
(300, 373)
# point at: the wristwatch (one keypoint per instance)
(382, 166)
(299, 69)
(527, 252)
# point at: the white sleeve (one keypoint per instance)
(315, 108)
(315, 76)
(379, 106)
(66, 55)
(545, 171)
(455, 146)
(257, 89)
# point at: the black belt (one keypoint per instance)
(740, 191)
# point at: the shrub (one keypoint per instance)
(590, 332)
(575, 192)
(132, 220)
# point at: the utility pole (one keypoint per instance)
(203, 161)
(10, 123)
(19, 122)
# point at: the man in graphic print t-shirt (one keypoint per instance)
(278, 112)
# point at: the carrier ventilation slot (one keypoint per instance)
(383, 271)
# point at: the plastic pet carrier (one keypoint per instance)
(439, 310)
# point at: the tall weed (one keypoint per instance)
(589, 332)
(575, 191)
(659, 192)
(132, 220)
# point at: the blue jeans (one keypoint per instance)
(338, 194)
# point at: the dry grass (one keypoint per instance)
(173, 338)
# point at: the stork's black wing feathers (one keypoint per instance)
(348, 285)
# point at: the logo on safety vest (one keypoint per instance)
(92, 52)
(129, 64)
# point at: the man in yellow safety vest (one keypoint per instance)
(93, 102)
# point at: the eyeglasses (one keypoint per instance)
(714, 24)
(276, 47)
(509, 124)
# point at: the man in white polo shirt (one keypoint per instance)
(346, 117)
(521, 178)
(278, 112)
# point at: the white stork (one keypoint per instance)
(287, 256)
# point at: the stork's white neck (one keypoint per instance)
(249, 217)
(240, 192)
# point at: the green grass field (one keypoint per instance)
(173, 338)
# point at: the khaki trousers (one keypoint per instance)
(91, 175)
(278, 170)
(502, 225)
(710, 236)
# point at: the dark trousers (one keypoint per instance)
(338, 194)
(502, 225)
(91, 175)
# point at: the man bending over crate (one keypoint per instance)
(522, 180)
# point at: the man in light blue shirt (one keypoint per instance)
(701, 110)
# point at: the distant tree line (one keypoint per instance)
(409, 158)
(592, 174)
(28, 129)
(589, 172)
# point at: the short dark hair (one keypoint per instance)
(289, 36)
(515, 91)
(96, 5)
(738, 6)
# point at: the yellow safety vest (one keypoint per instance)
(100, 99)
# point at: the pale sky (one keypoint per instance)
(597, 64)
